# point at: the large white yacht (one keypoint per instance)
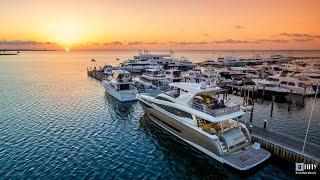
(194, 76)
(153, 81)
(194, 113)
(297, 85)
(144, 60)
(119, 85)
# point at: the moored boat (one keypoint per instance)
(194, 113)
(120, 86)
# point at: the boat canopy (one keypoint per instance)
(195, 88)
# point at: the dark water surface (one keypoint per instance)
(55, 122)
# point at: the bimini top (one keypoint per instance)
(195, 88)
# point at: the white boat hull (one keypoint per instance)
(123, 96)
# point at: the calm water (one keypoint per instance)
(57, 122)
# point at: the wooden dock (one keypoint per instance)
(96, 74)
(286, 147)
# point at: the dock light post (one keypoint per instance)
(265, 124)
(310, 117)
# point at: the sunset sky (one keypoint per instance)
(159, 24)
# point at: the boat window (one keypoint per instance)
(176, 73)
(291, 84)
(175, 111)
(124, 87)
(162, 98)
(283, 82)
(301, 84)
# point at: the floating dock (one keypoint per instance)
(286, 147)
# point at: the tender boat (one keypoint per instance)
(194, 113)
(153, 81)
(119, 85)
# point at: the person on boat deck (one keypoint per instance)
(221, 104)
(215, 104)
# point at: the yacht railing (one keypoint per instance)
(216, 112)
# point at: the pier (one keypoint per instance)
(286, 147)
(95, 73)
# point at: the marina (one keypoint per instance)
(140, 89)
(126, 124)
(283, 146)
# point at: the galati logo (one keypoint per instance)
(302, 168)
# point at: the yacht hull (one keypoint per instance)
(123, 96)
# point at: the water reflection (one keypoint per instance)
(191, 163)
(119, 109)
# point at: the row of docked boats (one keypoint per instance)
(189, 104)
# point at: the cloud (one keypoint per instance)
(114, 43)
(232, 41)
(24, 43)
(239, 27)
(186, 43)
(273, 40)
(303, 39)
(299, 35)
(134, 43)
(206, 34)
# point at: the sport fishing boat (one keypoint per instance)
(194, 113)
(153, 81)
(119, 85)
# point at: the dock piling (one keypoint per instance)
(272, 104)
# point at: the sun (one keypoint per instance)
(67, 49)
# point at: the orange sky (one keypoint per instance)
(160, 25)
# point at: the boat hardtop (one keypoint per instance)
(192, 93)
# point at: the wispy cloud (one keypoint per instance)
(114, 43)
(206, 35)
(24, 43)
(232, 41)
(186, 43)
(273, 40)
(299, 35)
(239, 27)
(134, 43)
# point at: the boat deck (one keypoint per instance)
(247, 159)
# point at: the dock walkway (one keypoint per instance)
(285, 146)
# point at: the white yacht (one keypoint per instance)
(144, 60)
(173, 75)
(297, 85)
(153, 81)
(194, 113)
(270, 88)
(194, 76)
(119, 85)
(208, 62)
